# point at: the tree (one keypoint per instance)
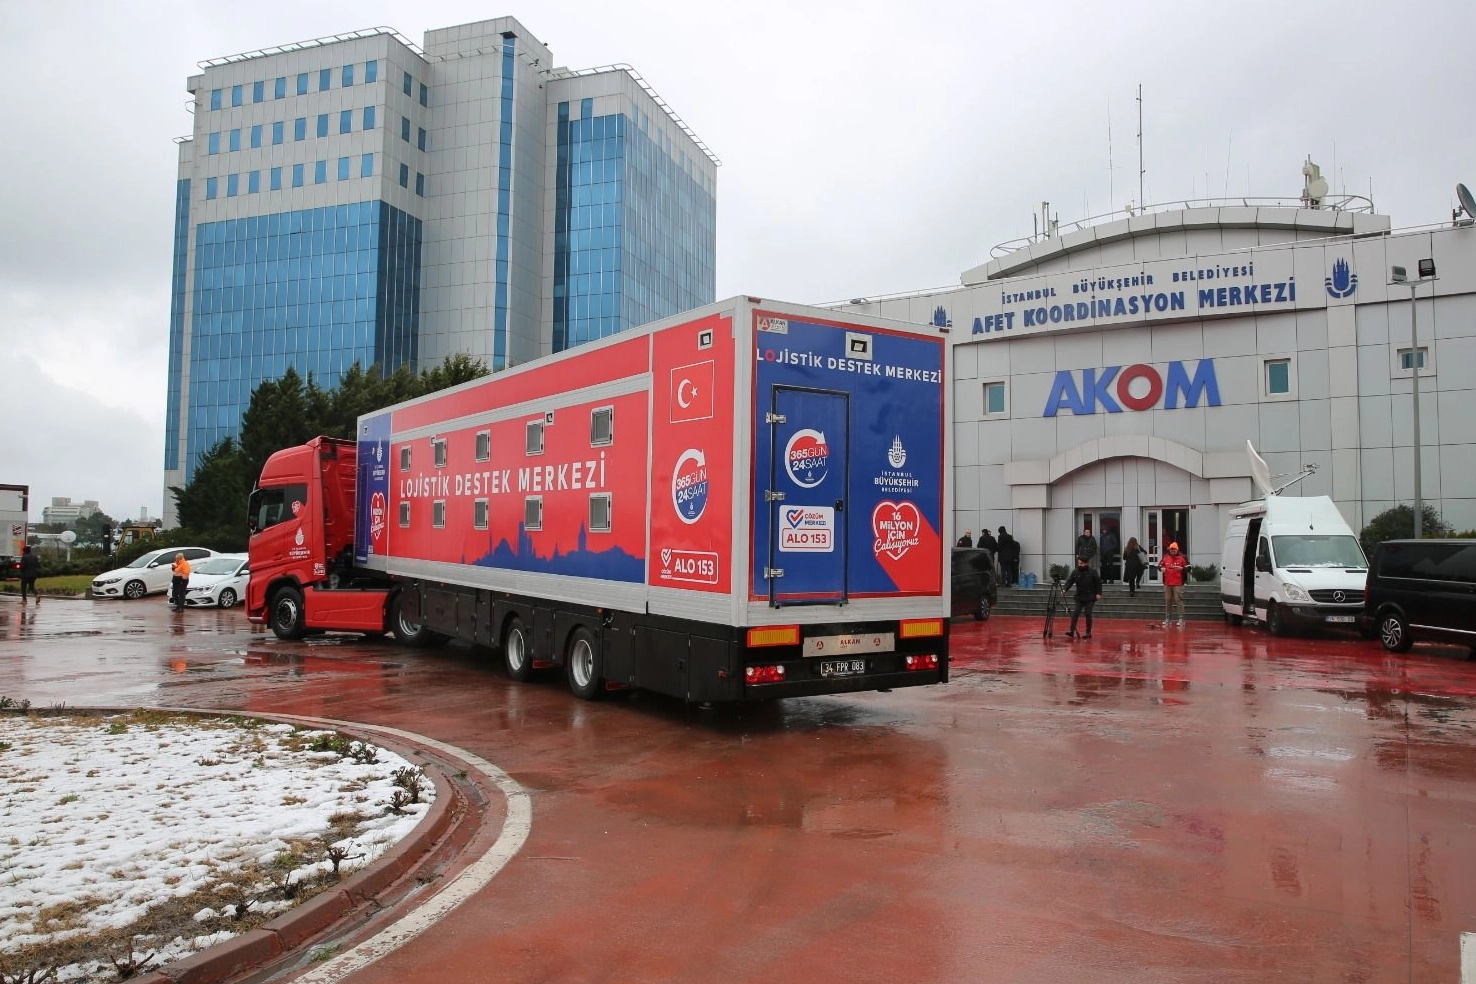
(1398, 524)
(213, 505)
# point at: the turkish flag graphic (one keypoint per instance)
(691, 392)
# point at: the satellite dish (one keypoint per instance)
(67, 536)
(1317, 189)
(1260, 472)
(1468, 202)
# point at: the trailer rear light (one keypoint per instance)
(927, 662)
(774, 635)
(764, 674)
(920, 628)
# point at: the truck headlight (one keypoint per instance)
(1295, 592)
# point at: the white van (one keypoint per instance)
(1291, 560)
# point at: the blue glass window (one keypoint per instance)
(300, 128)
(325, 79)
(279, 90)
(322, 124)
(1278, 377)
(276, 179)
(213, 142)
(994, 398)
(346, 121)
(366, 166)
(343, 169)
(302, 83)
(405, 128)
(420, 184)
(256, 135)
(404, 175)
(408, 83)
(348, 75)
(232, 184)
(253, 182)
(586, 108)
(211, 184)
(236, 139)
(277, 128)
(258, 91)
(371, 71)
(235, 95)
(297, 175)
(215, 97)
(368, 117)
(424, 95)
(420, 137)
(320, 172)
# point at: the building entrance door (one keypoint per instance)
(1106, 526)
(1163, 525)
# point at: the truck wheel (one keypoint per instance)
(516, 655)
(289, 621)
(584, 665)
(1394, 633)
(408, 632)
(1275, 624)
(134, 590)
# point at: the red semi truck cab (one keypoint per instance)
(302, 541)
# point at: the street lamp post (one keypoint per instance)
(1398, 277)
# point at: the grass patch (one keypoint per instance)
(64, 584)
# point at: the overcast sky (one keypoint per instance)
(867, 148)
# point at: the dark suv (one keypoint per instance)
(975, 590)
(1422, 590)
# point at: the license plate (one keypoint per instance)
(1340, 618)
(842, 667)
(848, 645)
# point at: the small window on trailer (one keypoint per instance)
(533, 512)
(602, 426)
(535, 437)
(599, 513)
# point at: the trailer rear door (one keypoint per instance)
(808, 478)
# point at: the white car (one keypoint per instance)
(219, 580)
(148, 574)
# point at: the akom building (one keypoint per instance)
(1110, 376)
(361, 199)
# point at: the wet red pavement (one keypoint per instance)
(1203, 804)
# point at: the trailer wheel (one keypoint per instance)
(584, 664)
(515, 652)
(288, 619)
(408, 632)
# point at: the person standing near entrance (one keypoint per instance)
(1132, 565)
(967, 540)
(1086, 547)
(1088, 592)
(1009, 557)
(1173, 566)
(30, 569)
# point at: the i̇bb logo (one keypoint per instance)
(689, 486)
(807, 457)
(376, 516)
(296, 506)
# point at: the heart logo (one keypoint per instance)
(897, 526)
(666, 557)
(794, 516)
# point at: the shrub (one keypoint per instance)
(1059, 572)
(1205, 573)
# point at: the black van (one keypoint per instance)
(1422, 590)
(975, 590)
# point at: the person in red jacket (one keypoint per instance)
(1173, 566)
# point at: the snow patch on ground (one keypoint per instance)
(103, 817)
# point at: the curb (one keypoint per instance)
(376, 887)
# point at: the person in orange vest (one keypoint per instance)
(1173, 566)
(180, 582)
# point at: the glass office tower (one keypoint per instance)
(361, 199)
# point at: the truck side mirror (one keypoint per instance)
(1263, 564)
